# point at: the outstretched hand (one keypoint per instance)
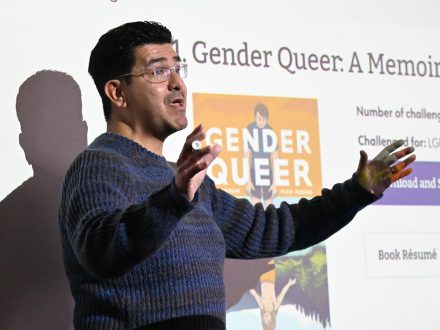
(192, 164)
(378, 174)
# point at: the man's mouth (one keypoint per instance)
(177, 102)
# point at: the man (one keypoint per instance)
(260, 192)
(144, 241)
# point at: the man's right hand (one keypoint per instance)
(192, 164)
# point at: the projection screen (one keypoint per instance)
(335, 78)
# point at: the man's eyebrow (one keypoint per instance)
(162, 59)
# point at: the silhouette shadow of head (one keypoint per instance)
(32, 277)
(49, 111)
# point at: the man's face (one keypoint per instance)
(157, 109)
(260, 120)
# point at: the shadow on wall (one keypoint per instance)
(34, 292)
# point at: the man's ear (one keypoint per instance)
(113, 90)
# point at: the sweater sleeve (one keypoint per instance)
(254, 232)
(111, 232)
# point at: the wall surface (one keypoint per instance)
(336, 78)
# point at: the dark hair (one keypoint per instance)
(262, 110)
(113, 55)
(273, 317)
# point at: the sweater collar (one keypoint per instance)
(128, 148)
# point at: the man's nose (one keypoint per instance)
(175, 81)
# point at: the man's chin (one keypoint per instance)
(178, 126)
(182, 124)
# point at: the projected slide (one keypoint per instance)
(292, 92)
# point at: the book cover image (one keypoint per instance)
(270, 153)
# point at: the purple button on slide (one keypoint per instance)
(421, 187)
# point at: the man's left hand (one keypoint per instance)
(378, 174)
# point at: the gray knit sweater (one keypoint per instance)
(136, 252)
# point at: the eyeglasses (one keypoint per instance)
(160, 73)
